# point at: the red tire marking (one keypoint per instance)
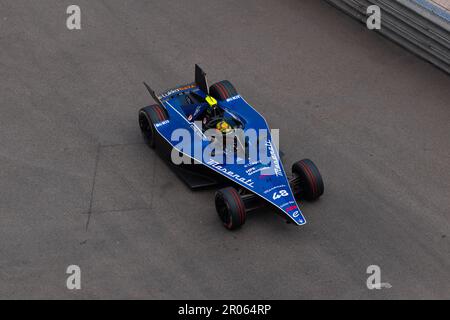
(241, 210)
(230, 224)
(222, 89)
(163, 114)
(236, 198)
(227, 95)
(157, 114)
(225, 89)
(219, 88)
(313, 180)
(231, 91)
(160, 113)
(310, 174)
(316, 185)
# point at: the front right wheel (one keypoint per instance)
(230, 208)
(223, 90)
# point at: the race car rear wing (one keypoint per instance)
(153, 94)
(200, 79)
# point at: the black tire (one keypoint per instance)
(222, 90)
(310, 179)
(230, 208)
(148, 117)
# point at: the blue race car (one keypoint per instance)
(179, 127)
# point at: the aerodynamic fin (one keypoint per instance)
(153, 94)
(200, 79)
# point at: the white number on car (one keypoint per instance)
(280, 194)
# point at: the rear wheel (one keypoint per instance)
(230, 208)
(148, 117)
(222, 90)
(309, 182)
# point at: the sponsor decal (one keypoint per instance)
(248, 182)
(233, 98)
(276, 163)
(290, 203)
(177, 90)
(162, 123)
(252, 163)
(291, 208)
(274, 188)
(255, 169)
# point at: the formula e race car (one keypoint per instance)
(212, 137)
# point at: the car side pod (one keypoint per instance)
(233, 205)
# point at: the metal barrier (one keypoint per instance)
(417, 25)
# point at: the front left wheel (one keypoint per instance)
(230, 208)
(308, 181)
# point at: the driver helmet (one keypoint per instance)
(223, 127)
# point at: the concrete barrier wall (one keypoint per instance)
(421, 26)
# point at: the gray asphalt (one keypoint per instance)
(78, 187)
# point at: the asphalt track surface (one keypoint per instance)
(78, 186)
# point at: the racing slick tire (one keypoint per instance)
(148, 117)
(310, 179)
(230, 208)
(222, 90)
